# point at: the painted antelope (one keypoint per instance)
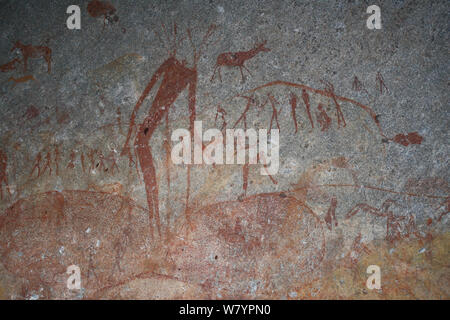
(237, 59)
(21, 79)
(29, 51)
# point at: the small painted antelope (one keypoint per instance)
(237, 59)
(29, 51)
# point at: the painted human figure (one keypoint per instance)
(176, 77)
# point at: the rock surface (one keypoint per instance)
(363, 150)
